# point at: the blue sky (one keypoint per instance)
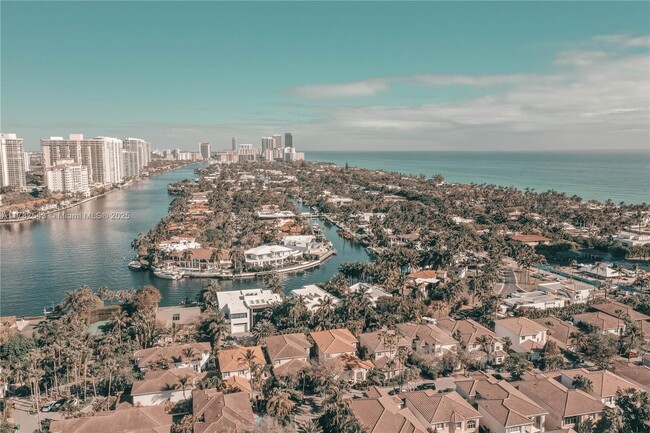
(355, 76)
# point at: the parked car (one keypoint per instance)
(56, 406)
(47, 407)
(424, 386)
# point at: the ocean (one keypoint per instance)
(622, 176)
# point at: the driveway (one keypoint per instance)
(25, 420)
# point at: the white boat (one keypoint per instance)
(168, 274)
(135, 265)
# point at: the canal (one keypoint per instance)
(42, 260)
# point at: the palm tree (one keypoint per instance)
(279, 406)
(309, 426)
(182, 381)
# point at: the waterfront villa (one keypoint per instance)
(302, 242)
(313, 296)
(202, 259)
(242, 306)
(270, 256)
(178, 244)
(526, 336)
(275, 214)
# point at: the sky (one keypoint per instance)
(339, 75)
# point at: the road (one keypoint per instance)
(509, 283)
(26, 421)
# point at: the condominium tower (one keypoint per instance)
(12, 161)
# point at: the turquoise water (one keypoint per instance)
(598, 175)
(42, 260)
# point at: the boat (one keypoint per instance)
(135, 265)
(345, 234)
(168, 274)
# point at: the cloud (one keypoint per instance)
(624, 40)
(341, 90)
(464, 80)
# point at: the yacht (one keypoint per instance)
(135, 265)
(168, 274)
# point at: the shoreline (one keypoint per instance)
(42, 215)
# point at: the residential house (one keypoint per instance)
(385, 414)
(234, 362)
(313, 296)
(288, 353)
(373, 292)
(481, 343)
(334, 343)
(194, 355)
(602, 321)
(382, 347)
(600, 270)
(424, 277)
(445, 412)
(160, 386)
(428, 338)
(604, 383)
(535, 299)
(202, 260)
(241, 307)
(532, 240)
(618, 309)
(526, 336)
(504, 408)
(126, 420)
(179, 243)
(216, 412)
(177, 316)
(301, 242)
(270, 256)
(575, 292)
(559, 331)
(567, 407)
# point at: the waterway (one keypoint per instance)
(42, 260)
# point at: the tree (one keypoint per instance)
(279, 406)
(610, 422)
(635, 405)
(186, 425)
(516, 364)
(182, 381)
(599, 349)
(582, 383)
(552, 358)
(309, 426)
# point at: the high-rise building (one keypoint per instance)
(267, 143)
(67, 176)
(234, 143)
(204, 148)
(277, 141)
(142, 149)
(288, 139)
(102, 156)
(12, 161)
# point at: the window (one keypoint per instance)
(440, 426)
(459, 425)
(239, 316)
(513, 430)
(570, 420)
(471, 423)
(176, 316)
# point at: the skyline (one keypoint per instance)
(338, 76)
